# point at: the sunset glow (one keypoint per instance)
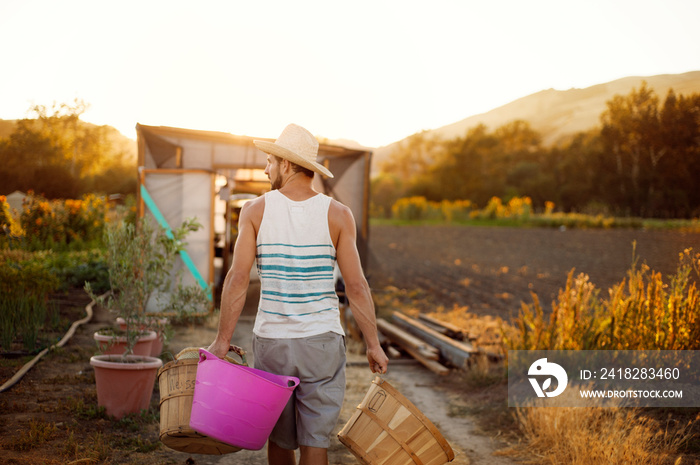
(373, 72)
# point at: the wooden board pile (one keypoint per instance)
(437, 345)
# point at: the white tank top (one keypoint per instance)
(295, 261)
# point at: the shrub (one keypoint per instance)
(419, 209)
(10, 230)
(410, 209)
(63, 225)
(75, 268)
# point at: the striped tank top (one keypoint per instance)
(295, 261)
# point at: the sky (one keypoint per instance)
(370, 71)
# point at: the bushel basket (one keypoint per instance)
(387, 429)
(176, 381)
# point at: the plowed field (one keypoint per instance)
(492, 269)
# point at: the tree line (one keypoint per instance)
(642, 160)
(55, 154)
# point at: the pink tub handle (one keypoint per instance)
(292, 382)
(204, 354)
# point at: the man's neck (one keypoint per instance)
(298, 187)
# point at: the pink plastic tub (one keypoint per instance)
(236, 404)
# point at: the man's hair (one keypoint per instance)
(297, 168)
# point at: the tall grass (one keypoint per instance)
(25, 283)
(642, 312)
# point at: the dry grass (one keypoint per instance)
(642, 312)
(583, 436)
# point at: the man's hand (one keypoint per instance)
(377, 359)
(218, 348)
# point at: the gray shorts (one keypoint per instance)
(312, 412)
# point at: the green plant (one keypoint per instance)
(25, 284)
(140, 259)
(74, 268)
(85, 410)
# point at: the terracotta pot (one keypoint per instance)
(157, 344)
(116, 345)
(124, 387)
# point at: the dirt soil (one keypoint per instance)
(50, 416)
(491, 270)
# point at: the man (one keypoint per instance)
(297, 235)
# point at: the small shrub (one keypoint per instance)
(38, 433)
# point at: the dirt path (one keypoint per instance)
(418, 384)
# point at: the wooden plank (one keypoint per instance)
(448, 329)
(392, 352)
(404, 339)
(455, 352)
(431, 365)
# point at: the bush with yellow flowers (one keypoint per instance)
(73, 224)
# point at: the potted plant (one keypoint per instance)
(140, 258)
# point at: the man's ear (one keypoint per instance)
(285, 165)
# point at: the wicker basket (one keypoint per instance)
(176, 381)
(387, 429)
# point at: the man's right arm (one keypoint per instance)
(356, 286)
(235, 287)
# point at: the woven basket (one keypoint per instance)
(176, 381)
(387, 429)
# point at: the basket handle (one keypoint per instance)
(204, 354)
(240, 352)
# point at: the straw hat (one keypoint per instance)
(297, 145)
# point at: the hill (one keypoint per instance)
(556, 114)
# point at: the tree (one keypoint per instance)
(84, 146)
(412, 158)
(24, 153)
(631, 137)
(60, 156)
(653, 152)
(461, 171)
(574, 167)
(679, 170)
